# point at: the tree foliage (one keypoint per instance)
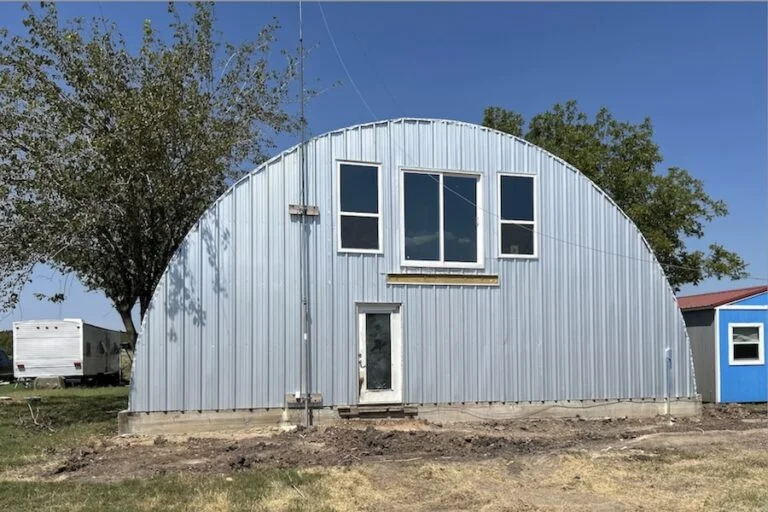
(622, 159)
(108, 157)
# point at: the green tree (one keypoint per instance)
(6, 342)
(108, 157)
(622, 159)
(504, 120)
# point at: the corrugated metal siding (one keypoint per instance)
(701, 332)
(579, 322)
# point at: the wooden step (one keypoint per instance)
(378, 411)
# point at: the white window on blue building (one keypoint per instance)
(746, 344)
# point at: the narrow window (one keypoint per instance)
(517, 221)
(441, 219)
(746, 342)
(359, 212)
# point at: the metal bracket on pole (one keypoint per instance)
(292, 401)
(297, 209)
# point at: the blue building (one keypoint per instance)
(727, 333)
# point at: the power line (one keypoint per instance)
(343, 65)
(369, 60)
(493, 214)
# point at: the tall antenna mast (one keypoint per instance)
(305, 352)
(301, 74)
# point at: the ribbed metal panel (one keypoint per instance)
(590, 318)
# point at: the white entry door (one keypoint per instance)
(380, 353)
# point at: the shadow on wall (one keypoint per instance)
(186, 286)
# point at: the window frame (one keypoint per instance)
(479, 209)
(500, 222)
(379, 215)
(760, 345)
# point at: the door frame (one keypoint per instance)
(395, 394)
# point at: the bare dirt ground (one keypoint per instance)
(383, 441)
(716, 462)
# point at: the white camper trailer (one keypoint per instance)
(67, 348)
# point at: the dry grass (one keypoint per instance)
(182, 493)
(719, 471)
(712, 470)
(725, 473)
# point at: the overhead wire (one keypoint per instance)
(343, 65)
(473, 203)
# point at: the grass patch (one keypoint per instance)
(68, 417)
(245, 491)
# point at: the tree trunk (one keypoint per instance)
(130, 329)
(144, 301)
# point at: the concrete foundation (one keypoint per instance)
(231, 421)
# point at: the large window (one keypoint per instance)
(360, 207)
(517, 222)
(746, 344)
(441, 219)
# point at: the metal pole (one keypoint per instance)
(305, 353)
(668, 379)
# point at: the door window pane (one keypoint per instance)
(422, 216)
(378, 351)
(460, 218)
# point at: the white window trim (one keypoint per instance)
(532, 223)
(339, 212)
(760, 345)
(478, 208)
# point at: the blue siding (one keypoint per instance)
(741, 383)
(757, 300)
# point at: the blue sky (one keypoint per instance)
(698, 70)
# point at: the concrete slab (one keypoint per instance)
(232, 421)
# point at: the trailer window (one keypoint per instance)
(87, 350)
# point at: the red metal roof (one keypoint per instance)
(714, 299)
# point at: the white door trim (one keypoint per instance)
(717, 355)
(394, 395)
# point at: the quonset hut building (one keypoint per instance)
(455, 272)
